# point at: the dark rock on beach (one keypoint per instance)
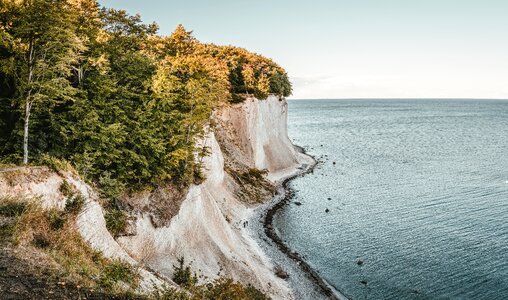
(281, 273)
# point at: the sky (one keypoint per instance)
(357, 48)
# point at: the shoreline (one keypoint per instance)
(266, 215)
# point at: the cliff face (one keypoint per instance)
(209, 230)
(260, 131)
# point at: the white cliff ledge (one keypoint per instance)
(209, 229)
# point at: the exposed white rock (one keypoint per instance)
(34, 182)
(44, 184)
(261, 129)
(208, 230)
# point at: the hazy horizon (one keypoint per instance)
(406, 98)
(360, 49)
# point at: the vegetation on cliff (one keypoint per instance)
(42, 255)
(100, 89)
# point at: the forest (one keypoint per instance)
(102, 91)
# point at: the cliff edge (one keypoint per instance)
(249, 154)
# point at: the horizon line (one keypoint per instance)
(396, 98)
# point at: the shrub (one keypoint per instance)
(227, 288)
(54, 233)
(254, 293)
(66, 189)
(74, 204)
(54, 163)
(110, 188)
(117, 271)
(253, 176)
(183, 275)
(116, 221)
(11, 206)
(56, 219)
(41, 241)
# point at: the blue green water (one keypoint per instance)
(419, 193)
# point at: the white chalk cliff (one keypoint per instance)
(208, 230)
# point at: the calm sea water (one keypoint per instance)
(419, 193)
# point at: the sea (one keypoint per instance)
(409, 199)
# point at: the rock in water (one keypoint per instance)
(281, 273)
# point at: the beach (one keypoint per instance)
(304, 281)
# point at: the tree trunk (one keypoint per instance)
(28, 103)
(25, 132)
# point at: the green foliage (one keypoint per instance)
(99, 88)
(11, 207)
(253, 293)
(56, 219)
(227, 288)
(116, 221)
(250, 73)
(74, 204)
(253, 176)
(66, 189)
(54, 163)
(221, 288)
(54, 233)
(110, 188)
(46, 48)
(182, 274)
(117, 271)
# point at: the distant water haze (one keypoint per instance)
(416, 192)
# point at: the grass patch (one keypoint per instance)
(55, 164)
(74, 204)
(54, 232)
(253, 176)
(222, 288)
(12, 206)
(117, 271)
(6, 231)
(10, 209)
(66, 189)
(254, 186)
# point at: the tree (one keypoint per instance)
(279, 83)
(186, 89)
(181, 42)
(248, 78)
(47, 48)
(108, 138)
(263, 87)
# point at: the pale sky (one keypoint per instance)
(357, 48)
